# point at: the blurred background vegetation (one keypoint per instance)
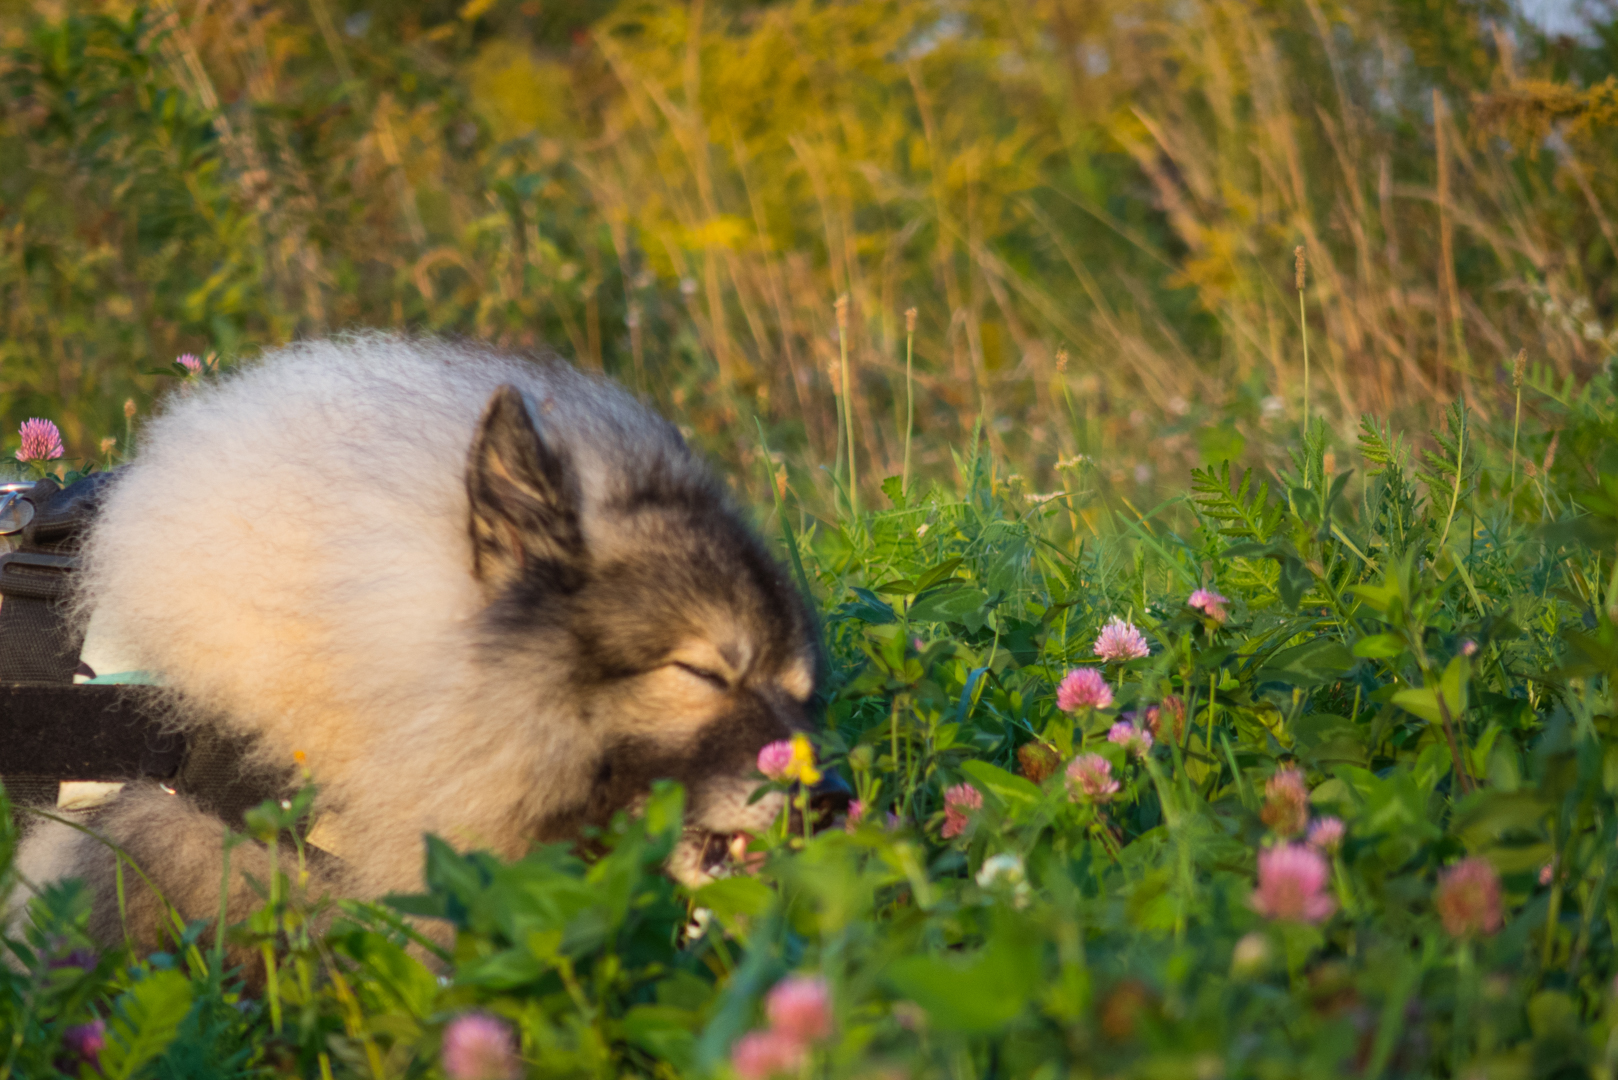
(1093, 204)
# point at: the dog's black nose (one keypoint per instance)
(831, 796)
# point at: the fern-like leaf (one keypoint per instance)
(1450, 470)
(1246, 512)
(1380, 447)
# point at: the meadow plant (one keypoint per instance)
(1349, 811)
(480, 1047)
(1326, 835)
(1138, 741)
(1292, 883)
(1468, 898)
(1359, 824)
(41, 441)
(1286, 803)
(1083, 688)
(1089, 779)
(1120, 641)
(775, 758)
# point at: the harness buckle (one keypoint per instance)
(46, 559)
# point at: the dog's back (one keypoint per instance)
(290, 551)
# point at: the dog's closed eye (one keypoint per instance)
(712, 678)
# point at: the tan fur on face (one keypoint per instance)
(798, 680)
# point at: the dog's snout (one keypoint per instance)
(831, 796)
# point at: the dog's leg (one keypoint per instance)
(180, 853)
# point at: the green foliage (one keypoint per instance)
(1445, 698)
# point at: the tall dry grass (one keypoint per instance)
(678, 192)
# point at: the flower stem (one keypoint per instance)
(910, 407)
(848, 405)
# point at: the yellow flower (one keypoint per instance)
(802, 766)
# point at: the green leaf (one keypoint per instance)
(1379, 646)
(734, 900)
(937, 574)
(868, 607)
(665, 810)
(507, 969)
(145, 1019)
(1314, 663)
(665, 1032)
(1220, 443)
(1488, 817)
(1013, 791)
(1423, 700)
(948, 604)
(893, 488)
(1379, 598)
(980, 993)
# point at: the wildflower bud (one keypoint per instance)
(1083, 688)
(759, 1055)
(1299, 266)
(957, 801)
(1174, 706)
(1137, 741)
(41, 441)
(1468, 898)
(842, 312)
(910, 320)
(1061, 359)
(1286, 803)
(774, 758)
(83, 959)
(85, 1042)
(801, 763)
(1038, 760)
(1251, 955)
(1210, 604)
(107, 444)
(1119, 641)
(799, 1007)
(129, 408)
(1326, 835)
(1004, 872)
(1004, 867)
(480, 1047)
(1292, 885)
(1089, 778)
(1517, 367)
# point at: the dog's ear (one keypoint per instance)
(524, 502)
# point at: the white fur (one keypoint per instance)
(290, 551)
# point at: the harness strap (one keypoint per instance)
(38, 642)
(86, 732)
(52, 730)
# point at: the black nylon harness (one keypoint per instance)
(52, 730)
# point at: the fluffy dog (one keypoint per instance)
(479, 597)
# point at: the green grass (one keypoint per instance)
(1119, 939)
